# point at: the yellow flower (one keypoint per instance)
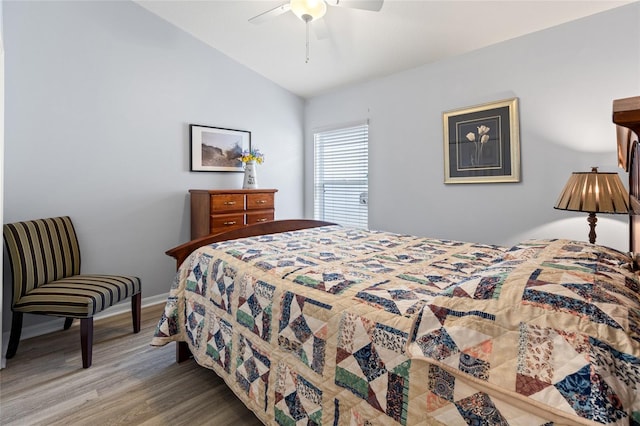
(253, 155)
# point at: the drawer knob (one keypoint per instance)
(231, 222)
(262, 219)
(261, 201)
(229, 203)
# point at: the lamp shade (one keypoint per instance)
(594, 192)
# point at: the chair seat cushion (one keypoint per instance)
(78, 296)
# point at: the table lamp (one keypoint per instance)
(593, 192)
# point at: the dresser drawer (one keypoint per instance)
(259, 217)
(227, 202)
(260, 201)
(219, 210)
(225, 222)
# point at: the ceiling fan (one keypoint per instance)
(312, 10)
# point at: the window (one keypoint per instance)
(341, 169)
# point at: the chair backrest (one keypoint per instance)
(41, 251)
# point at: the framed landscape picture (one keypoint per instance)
(215, 149)
(482, 143)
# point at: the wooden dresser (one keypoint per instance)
(219, 210)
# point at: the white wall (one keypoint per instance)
(99, 96)
(566, 79)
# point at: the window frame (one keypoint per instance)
(351, 140)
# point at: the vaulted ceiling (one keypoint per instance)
(360, 44)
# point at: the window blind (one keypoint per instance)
(341, 168)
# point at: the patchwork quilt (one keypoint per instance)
(344, 326)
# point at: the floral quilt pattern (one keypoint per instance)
(344, 326)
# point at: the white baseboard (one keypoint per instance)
(57, 323)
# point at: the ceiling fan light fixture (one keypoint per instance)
(309, 10)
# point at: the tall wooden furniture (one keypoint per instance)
(219, 210)
(626, 115)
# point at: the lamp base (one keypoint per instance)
(592, 219)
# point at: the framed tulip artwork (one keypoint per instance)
(482, 143)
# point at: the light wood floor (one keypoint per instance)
(129, 382)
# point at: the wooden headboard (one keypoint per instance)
(626, 115)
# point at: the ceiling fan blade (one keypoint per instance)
(320, 29)
(372, 5)
(276, 11)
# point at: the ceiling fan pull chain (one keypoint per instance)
(307, 24)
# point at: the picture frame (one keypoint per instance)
(217, 149)
(482, 143)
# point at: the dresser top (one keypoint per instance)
(230, 191)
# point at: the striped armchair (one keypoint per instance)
(45, 263)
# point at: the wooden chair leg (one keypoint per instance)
(67, 323)
(14, 338)
(86, 341)
(136, 309)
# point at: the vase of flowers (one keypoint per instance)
(250, 159)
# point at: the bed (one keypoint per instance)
(314, 323)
